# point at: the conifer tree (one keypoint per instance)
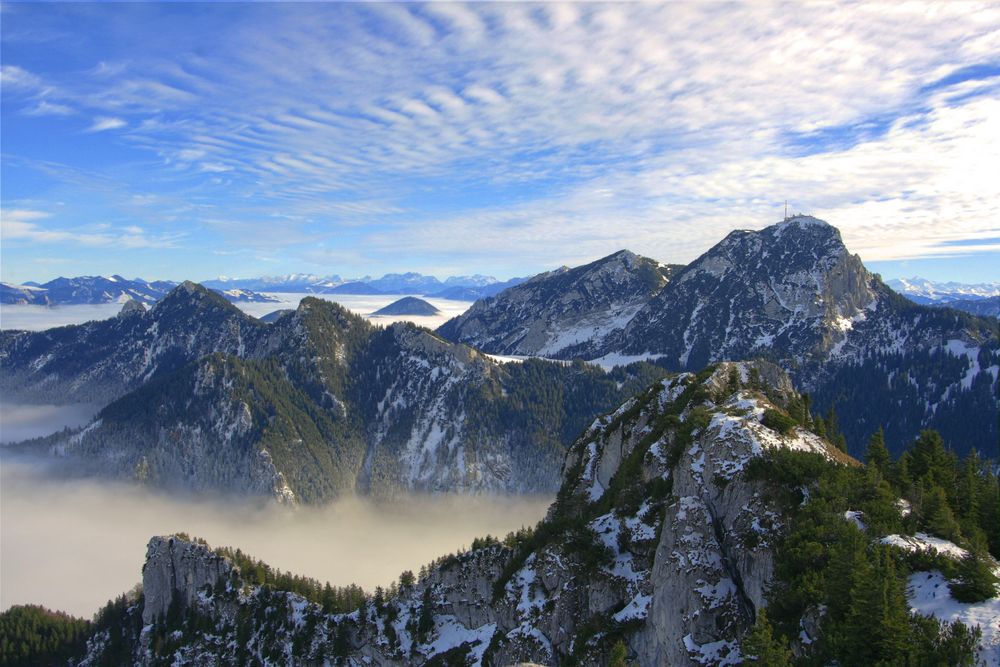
(618, 656)
(878, 619)
(877, 454)
(936, 515)
(975, 580)
(761, 647)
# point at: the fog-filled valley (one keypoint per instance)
(72, 544)
(20, 421)
(38, 318)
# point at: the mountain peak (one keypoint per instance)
(191, 294)
(804, 221)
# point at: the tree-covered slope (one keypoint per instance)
(323, 403)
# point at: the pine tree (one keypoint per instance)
(878, 619)
(936, 515)
(833, 433)
(930, 460)
(761, 647)
(975, 580)
(618, 655)
(877, 454)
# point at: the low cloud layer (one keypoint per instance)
(20, 422)
(73, 544)
(39, 318)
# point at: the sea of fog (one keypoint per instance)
(37, 318)
(72, 544)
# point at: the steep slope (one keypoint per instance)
(101, 360)
(441, 416)
(791, 290)
(678, 519)
(555, 313)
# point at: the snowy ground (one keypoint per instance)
(37, 318)
(929, 595)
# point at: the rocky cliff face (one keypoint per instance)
(791, 290)
(554, 313)
(658, 537)
(178, 572)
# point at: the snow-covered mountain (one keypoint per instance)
(921, 290)
(667, 539)
(107, 289)
(240, 295)
(792, 293)
(86, 289)
(466, 288)
(293, 282)
(317, 404)
(557, 313)
(23, 294)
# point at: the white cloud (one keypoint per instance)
(578, 128)
(12, 76)
(45, 108)
(102, 123)
(23, 226)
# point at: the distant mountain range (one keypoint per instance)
(106, 289)
(921, 290)
(462, 288)
(111, 289)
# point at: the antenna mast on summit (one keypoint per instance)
(786, 209)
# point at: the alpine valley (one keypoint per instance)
(766, 456)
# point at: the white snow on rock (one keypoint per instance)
(854, 517)
(718, 653)
(451, 633)
(925, 542)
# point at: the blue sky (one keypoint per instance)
(195, 140)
